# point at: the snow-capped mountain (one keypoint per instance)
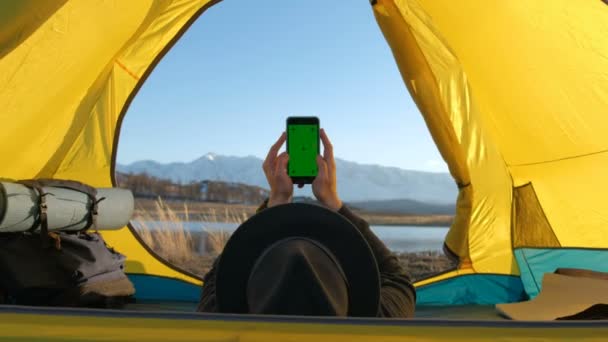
(356, 182)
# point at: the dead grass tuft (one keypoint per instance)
(171, 236)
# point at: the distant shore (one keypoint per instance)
(236, 213)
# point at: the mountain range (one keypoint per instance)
(356, 182)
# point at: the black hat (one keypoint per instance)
(298, 258)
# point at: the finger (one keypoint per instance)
(300, 186)
(281, 169)
(321, 166)
(272, 153)
(281, 164)
(322, 175)
(328, 150)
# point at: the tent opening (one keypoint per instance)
(194, 137)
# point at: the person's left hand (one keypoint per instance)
(275, 169)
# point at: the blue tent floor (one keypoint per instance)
(456, 312)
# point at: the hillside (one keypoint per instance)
(356, 182)
(146, 186)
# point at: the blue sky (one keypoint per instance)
(244, 66)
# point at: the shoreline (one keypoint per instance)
(236, 213)
(433, 221)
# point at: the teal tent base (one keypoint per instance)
(481, 289)
(471, 290)
(156, 288)
(534, 262)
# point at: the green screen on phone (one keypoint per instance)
(302, 147)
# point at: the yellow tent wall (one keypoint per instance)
(80, 325)
(514, 93)
(67, 71)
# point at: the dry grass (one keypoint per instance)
(420, 265)
(165, 229)
(167, 235)
(213, 212)
(215, 241)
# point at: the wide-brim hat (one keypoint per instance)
(314, 222)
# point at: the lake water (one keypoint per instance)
(397, 238)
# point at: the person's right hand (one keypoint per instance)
(275, 169)
(325, 185)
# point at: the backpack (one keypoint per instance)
(78, 270)
(59, 268)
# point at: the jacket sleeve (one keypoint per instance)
(397, 294)
(208, 302)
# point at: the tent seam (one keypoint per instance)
(131, 73)
(559, 159)
(523, 254)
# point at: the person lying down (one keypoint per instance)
(304, 259)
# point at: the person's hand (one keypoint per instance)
(325, 185)
(275, 169)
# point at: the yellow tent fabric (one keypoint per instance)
(83, 326)
(513, 92)
(67, 70)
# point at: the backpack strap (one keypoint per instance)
(42, 209)
(90, 191)
(38, 184)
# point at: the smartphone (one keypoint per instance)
(303, 148)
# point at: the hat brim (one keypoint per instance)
(329, 228)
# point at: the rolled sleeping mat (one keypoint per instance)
(67, 209)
